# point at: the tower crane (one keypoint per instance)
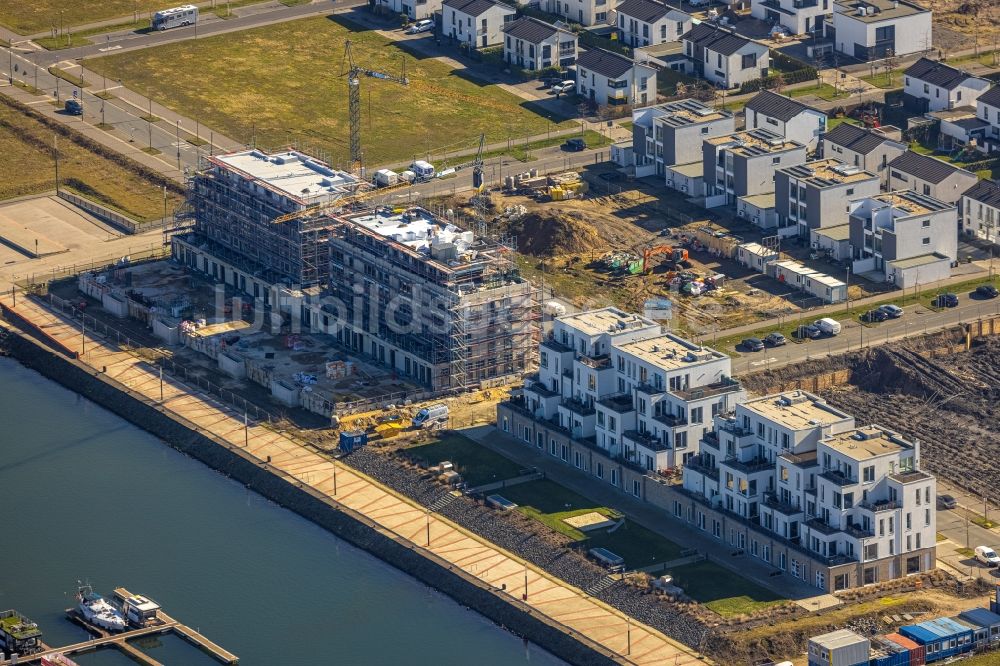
(354, 73)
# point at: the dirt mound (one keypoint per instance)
(549, 233)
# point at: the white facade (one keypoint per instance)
(415, 10)
(585, 12)
(988, 109)
(555, 50)
(477, 24)
(642, 395)
(727, 67)
(637, 86)
(872, 29)
(799, 16)
(939, 98)
(805, 127)
(636, 32)
(981, 211)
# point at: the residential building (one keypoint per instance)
(646, 22)
(929, 85)
(414, 10)
(787, 117)
(866, 149)
(981, 211)
(903, 238)
(961, 127)
(432, 301)
(758, 209)
(988, 108)
(812, 195)
(588, 13)
(928, 175)
(475, 24)
(612, 79)
(532, 44)
(616, 383)
(801, 17)
(832, 504)
(744, 163)
(722, 57)
(241, 236)
(874, 29)
(672, 133)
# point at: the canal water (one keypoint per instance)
(87, 496)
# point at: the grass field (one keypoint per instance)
(256, 82)
(551, 503)
(476, 463)
(821, 90)
(30, 16)
(75, 39)
(721, 591)
(28, 168)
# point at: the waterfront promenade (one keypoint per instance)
(336, 484)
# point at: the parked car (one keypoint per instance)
(987, 556)
(564, 86)
(808, 331)
(74, 107)
(574, 145)
(775, 339)
(828, 326)
(892, 311)
(873, 316)
(753, 344)
(423, 25)
(946, 502)
(946, 300)
(987, 291)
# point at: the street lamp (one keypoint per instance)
(177, 128)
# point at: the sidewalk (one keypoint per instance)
(643, 513)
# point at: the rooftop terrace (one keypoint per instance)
(291, 174)
(797, 410)
(668, 351)
(752, 143)
(865, 443)
(827, 173)
(606, 320)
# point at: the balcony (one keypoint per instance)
(596, 362)
(749, 467)
(772, 501)
(649, 389)
(578, 407)
(880, 505)
(711, 438)
(617, 402)
(837, 477)
(709, 391)
(553, 345)
(822, 526)
(857, 532)
(733, 429)
(539, 389)
(646, 440)
(701, 465)
(671, 420)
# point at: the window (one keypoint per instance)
(775, 160)
(748, 61)
(636, 488)
(663, 31)
(871, 551)
(704, 130)
(696, 414)
(850, 191)
(868, 473)
(925, 224)
(925, 241)
(927, 88)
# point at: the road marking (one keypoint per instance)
(110, 48)
(766, 360)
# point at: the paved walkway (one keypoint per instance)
(400, 517)
(645, 514)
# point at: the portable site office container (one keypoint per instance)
(839, 648)
(888, 653)
(917, 652)
(942, 638)
(988, 621)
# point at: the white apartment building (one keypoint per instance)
(981, 211)
(786, 117)
(585, 12)
(646, 22)
(611, 79)
(801, 17)
(636, 393)
(929, 85)
(873, 29)
(475, 23)
(532, 44)
(830, 503)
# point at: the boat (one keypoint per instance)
(95, 609)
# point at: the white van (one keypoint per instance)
(987, 556)
(423, 170)
(828, 326)
(431, 415)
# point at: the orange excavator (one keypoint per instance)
(677, 254)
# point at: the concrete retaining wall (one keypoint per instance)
(346, 524)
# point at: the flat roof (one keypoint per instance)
(757, 249)
(911, 202)
(661, 49)
(669, 352)
(290, 173)
(839, 638)
(884, 10)
(416, 228)
(762, 201)
(688, 112)
(606, 320)
(827, 172)
(691, 169)
(866, 443)
(754, 142)
(840, 232)
(919, 260)
(796, 410)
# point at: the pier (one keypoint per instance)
(162, 624)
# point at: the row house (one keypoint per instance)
(532, 44)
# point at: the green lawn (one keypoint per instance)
(257, 82)
(987, 59)
(31, 16)
(476, 463)
(988, 659)
(522, 151)
(721, 590)
(551, 503)
(81, 38)
(821, 90)
(833, 122)
(887, 80)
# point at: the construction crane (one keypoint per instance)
(339, 204)
(354, 73)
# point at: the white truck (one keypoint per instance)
(429, 416)
(422, 170)
(176, 17)
(828, 326)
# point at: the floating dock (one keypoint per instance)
(161, 624)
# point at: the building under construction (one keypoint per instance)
(431, 300)
(243, 204)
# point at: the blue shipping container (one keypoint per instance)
(896, 659)
(942, 637)
(352, 439)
